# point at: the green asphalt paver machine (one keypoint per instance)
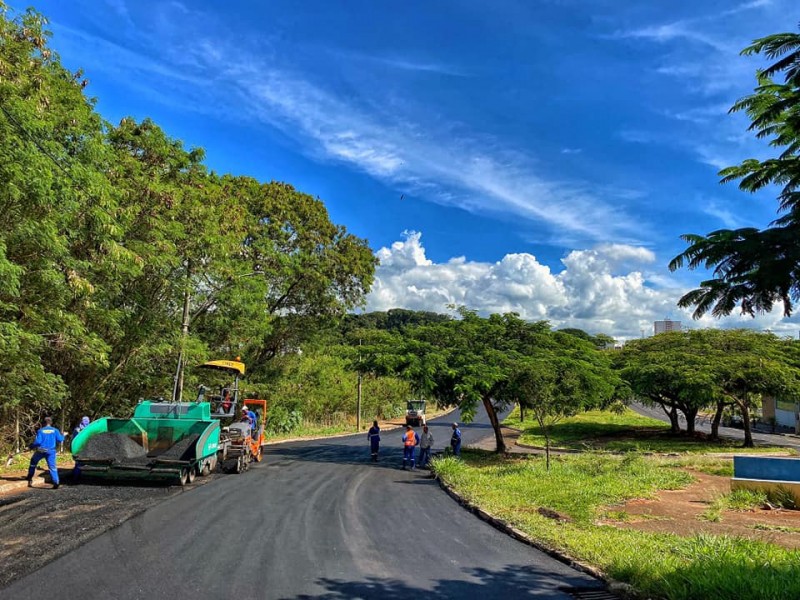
(175, 441)
(163, 441)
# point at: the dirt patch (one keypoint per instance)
(680, 512)
(41, 524)
(510, 435)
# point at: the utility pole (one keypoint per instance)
(358, 402)
(177, 391)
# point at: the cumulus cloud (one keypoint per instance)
(603, 289)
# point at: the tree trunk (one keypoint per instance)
(184, 334)
(521, 413)
(674, 424)
(498, 434)
(546, 432)
(716, 421)
(748, 434)
(691, 415)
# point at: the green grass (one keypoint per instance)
(21, 461)
(312, 430)
(659, 565)
(741, 499)
(621, 432)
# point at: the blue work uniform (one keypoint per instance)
(44, 446)
(253, 420)
(455, 442)
(374, 437)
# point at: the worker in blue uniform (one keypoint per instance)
(455, 440)
(44, 447)
(251, 418)
(374, 437)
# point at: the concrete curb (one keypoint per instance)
(12, 486)
(623, 589)
(341, 435)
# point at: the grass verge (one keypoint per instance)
(658, 565)
(627, 431)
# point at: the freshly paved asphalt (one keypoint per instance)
(704, 425)
(315, 520)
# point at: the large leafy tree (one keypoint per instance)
(709, 369)
(491, 362)
(758, 268)
(120, 251)
(559, 380)
(60, 243)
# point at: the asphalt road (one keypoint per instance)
(704, 425)
(316, 520)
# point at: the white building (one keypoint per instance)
(666, 325)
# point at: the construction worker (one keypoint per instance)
(249, 416)
(44, 446)
(81, 426)
(226, 403)
(455, 440)
(374, 437)
(425, 445)
(410, 441)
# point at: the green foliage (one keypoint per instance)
(494, 362)
(320, 387)
(703, 368)
(754, 268)
(107, 233)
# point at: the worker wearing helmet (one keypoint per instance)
(455, 440)
(44, 447)
(250, 416)
(410, 441)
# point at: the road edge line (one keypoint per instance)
(624, 589)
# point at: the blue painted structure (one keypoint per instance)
(766, 468)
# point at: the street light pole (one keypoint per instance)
(358, 403)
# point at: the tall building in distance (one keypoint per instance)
(666, 325)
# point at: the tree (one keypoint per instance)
(754, 268)
(474, 361)
(709, 368)
(672, 370)
(560, 382)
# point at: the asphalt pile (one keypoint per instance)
(116, 446)
(182, 450)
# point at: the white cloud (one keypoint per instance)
(436, 161)
(603, 289)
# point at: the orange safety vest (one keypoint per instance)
(409, 438)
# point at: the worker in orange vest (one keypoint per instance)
(410, 441)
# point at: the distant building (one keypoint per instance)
(666, 325)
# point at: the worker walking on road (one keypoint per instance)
(410, 441)
(455, 440)
(374, 437)
(44, 447)
(425, 445)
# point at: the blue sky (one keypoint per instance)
(542, 157)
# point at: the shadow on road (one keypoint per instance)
(513, 581)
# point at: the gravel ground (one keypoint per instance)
(39, 525)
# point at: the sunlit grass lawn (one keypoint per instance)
(621, 432)
(659, 565)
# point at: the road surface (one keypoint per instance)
(704, 425)
(316, 520)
